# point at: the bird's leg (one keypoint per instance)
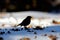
(25, 28)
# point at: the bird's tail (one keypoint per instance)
(18, 25)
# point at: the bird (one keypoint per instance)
(26, 21)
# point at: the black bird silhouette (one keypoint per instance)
(25, 22)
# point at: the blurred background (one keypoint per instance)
(30, 5)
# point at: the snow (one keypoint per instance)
(39, 19)
(16, 35)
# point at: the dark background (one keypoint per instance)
(27, 5)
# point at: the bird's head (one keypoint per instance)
(29, 16)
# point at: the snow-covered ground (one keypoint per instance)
(40, 34)
(40, 19)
